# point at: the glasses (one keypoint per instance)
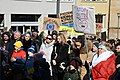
(100, 48)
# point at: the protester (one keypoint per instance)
(49, 56)
(103, 64)
(18, 59)
(36, 40)
(116, 76)
(77, 51)
(27, 42)
(47, 48)
(6, 44)
(41, 68)
(59, 57)
(30, 63)
(16, 36)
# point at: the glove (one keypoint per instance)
(54, 62)
(61, 65)
(13, 59)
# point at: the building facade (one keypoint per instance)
(27, 14)
(114, 31)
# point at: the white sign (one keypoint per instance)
(84, 19)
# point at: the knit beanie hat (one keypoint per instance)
(18, 44)
(31, 49)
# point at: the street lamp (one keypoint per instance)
(58, 8)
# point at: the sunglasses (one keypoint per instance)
(49, 38)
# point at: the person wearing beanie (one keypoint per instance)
(18, 52)
(18, 60)
(30, 62)
(31, 50)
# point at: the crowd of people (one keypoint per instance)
(53, 56)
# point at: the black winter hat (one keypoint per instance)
(54, 32)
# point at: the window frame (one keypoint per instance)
(63, 1)
(95, 1)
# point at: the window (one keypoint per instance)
(24, 22)
(1, 20)
(61, 0)
(99, 18)
(99, 22)
(96, 0)
(29, 0)
(24, 28)
(52, 15)
(25, 17)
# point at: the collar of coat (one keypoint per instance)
(102, 57)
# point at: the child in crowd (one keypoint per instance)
(18, 60)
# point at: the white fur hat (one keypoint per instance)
(103, 47)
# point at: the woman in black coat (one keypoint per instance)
(6, 48)
(59, 57)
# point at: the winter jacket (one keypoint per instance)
(19, 54)
(103, 66)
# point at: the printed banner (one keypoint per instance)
(51, 23)
(67, 18)
(84, 19)
(69, 30)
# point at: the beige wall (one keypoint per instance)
(115, 9)
(115, 12)
(99, 7)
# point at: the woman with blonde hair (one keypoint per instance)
(59, 57)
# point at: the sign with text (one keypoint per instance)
(66, 18)
(84, 19)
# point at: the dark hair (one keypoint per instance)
(69, 42)
(54, 32)
(74, 38)
(6, 33)
(35, 30)
(81, 39)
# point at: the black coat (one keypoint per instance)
(61, 51)
(26, 44)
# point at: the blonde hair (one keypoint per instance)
(63, 38)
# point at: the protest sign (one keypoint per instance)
(84, 19)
